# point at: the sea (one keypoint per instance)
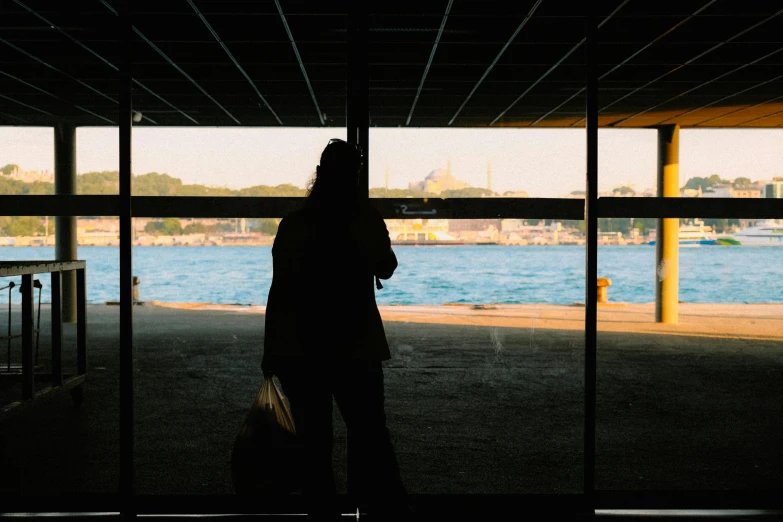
(435, 275)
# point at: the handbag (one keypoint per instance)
(266, 456)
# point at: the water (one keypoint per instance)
(438, 275)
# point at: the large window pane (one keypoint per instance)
(485, 339)
(59, 74)
(691, 405)
(627, 160)
(254, 96)
(27, 159)
(257, 92)
(474, 331)
(200, 323)
(486, 315)
(177, 161)
(76, 445)
(450, 163)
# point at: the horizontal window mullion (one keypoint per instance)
(214, 206)
(92, 505)
(390, 208)
(394, 208)
(690, 208)
(480, 208)
(652, 499)
(448, 506)
(59, 205)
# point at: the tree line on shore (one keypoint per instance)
(173, 227)
(155, 184)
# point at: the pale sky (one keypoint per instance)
(542, 162)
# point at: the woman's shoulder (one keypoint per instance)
(368, 209)
(294, 218)
(289, 228)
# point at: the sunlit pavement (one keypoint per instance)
(744, 321)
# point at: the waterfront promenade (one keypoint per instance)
(479, 400)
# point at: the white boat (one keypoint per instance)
(696, 234)
(766, 233)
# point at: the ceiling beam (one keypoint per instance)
(561, 60)
(757, 60)
(55, 69)
(492, 65)
(6, 115)
(173, 64)
(88, 111)
(760, 118)
(52, 67)
(27, 105)
(95, 54)
(161, 98)
(429, 62)
(743, 91)
(698, 56)
(735, 111)
(299, 59)
(234, 60)
(629, 58)
(183, 73)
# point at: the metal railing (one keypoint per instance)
(29, 330)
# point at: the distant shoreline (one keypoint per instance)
(116, 245)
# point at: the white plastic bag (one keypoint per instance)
(266, 454)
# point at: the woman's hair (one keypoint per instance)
(337, 175)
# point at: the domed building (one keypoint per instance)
(437, 181)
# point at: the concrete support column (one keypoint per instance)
(65, 226)
(667, 245)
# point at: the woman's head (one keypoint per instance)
(337, 175)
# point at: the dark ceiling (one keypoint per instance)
(461, 63)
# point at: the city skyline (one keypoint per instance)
(541, 162)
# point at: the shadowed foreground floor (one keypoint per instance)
(476, 408)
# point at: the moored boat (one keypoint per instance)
(765, 233)
(695, 234)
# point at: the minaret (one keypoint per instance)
(387, 177)
(489, 175)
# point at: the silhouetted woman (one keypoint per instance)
(324, 337)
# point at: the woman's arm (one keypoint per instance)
(382, 257)
(385, 268)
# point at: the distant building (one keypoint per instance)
(728, 191)
(719, 191)
(96, 225)
(774, 189)
(473, 225)
(511, 225)
(489, 176)
(30, 176)
(418, 229)
(691, 193)
(437, 181)
(748, 191)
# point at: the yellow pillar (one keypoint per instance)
(667, 246)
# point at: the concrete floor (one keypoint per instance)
(473, 408)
